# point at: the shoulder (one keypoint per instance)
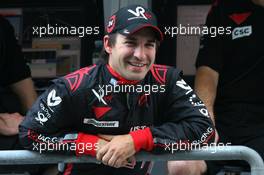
(6, 28)
(163, 73)
(80, 79)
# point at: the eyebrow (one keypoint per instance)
(134, 39)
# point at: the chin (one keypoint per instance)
(136, 77)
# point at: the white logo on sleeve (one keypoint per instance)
(139, 13)
(41, 118)
(182, 84)
(240, 32)
(52, 100)
(47, 139)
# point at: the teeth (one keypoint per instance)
(138, 65)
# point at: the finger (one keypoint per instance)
(119, 163)
(101, 152)
(100, 144)
(131, 162)
(106, 158)
(128, 165)
(112, 161)
(17, 114)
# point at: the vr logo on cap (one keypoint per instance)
(139, 13)
(111, 24)
(240, 32)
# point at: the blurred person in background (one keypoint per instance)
(229, 80)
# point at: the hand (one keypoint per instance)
(9, 123)
(131, 161)
(101, 143)
(106, 137)
(117, 151)
(259, 2)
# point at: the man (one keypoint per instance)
(17, 94)
(15, 79)
(230, 76)
(117, 109)
(14, 74)
(234, 74)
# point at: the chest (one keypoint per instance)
(244, 40)
(119, 113)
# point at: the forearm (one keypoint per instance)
(26, 92)
(205, 86)
(142, 139)
(71, 143)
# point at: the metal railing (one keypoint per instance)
(210, 153)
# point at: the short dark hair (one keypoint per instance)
(112, 39)
(112, 42)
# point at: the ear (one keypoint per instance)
(107, 45)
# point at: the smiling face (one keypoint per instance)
(132, 56)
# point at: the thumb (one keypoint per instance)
(106, 137)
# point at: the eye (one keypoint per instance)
(130, 43)
(150, 45)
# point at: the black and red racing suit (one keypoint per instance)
(76, 108)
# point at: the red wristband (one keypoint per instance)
(142, 139)
(86, 144)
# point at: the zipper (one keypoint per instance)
(127, 100)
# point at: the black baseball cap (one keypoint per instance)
(131, 19)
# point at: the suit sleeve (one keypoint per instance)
(13, 68)
(50, 124)
(183, 120)
(210, 50)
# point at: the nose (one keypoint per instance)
(139, 52)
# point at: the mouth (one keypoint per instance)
(137, 64)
